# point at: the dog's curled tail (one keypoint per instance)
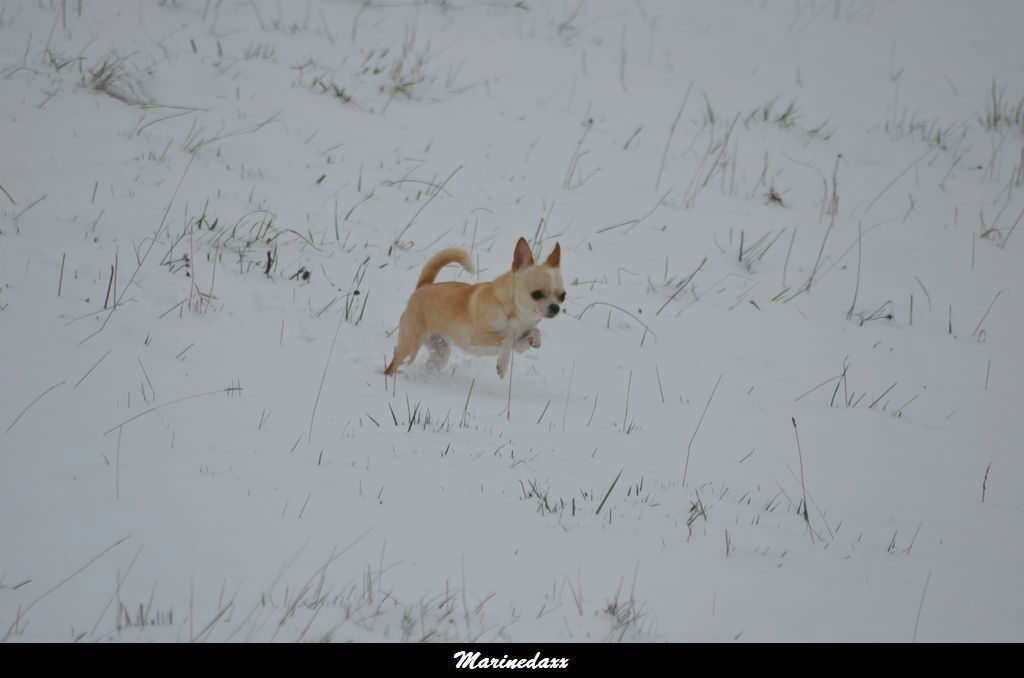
(440, 260)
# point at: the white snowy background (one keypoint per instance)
(784, 402)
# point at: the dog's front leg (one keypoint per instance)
(505, 357)
(530, 339)
(490, 338)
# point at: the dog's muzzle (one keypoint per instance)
(552, 310)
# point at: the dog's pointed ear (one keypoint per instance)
(523, 257)
(555, 258)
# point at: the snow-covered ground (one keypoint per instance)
(787, 235)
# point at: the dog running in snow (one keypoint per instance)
(489, 318)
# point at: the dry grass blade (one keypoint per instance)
(56, 586)
(689, 447)
(29, 406)
(608, 493)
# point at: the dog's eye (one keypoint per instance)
(561, 297)
(538, 295)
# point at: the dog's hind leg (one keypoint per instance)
(407, 348)
(440, 350)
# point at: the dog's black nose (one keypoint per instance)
(553, 309)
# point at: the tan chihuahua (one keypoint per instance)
(488, 318)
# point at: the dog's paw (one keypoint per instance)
(502, 368)
(527, 341)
